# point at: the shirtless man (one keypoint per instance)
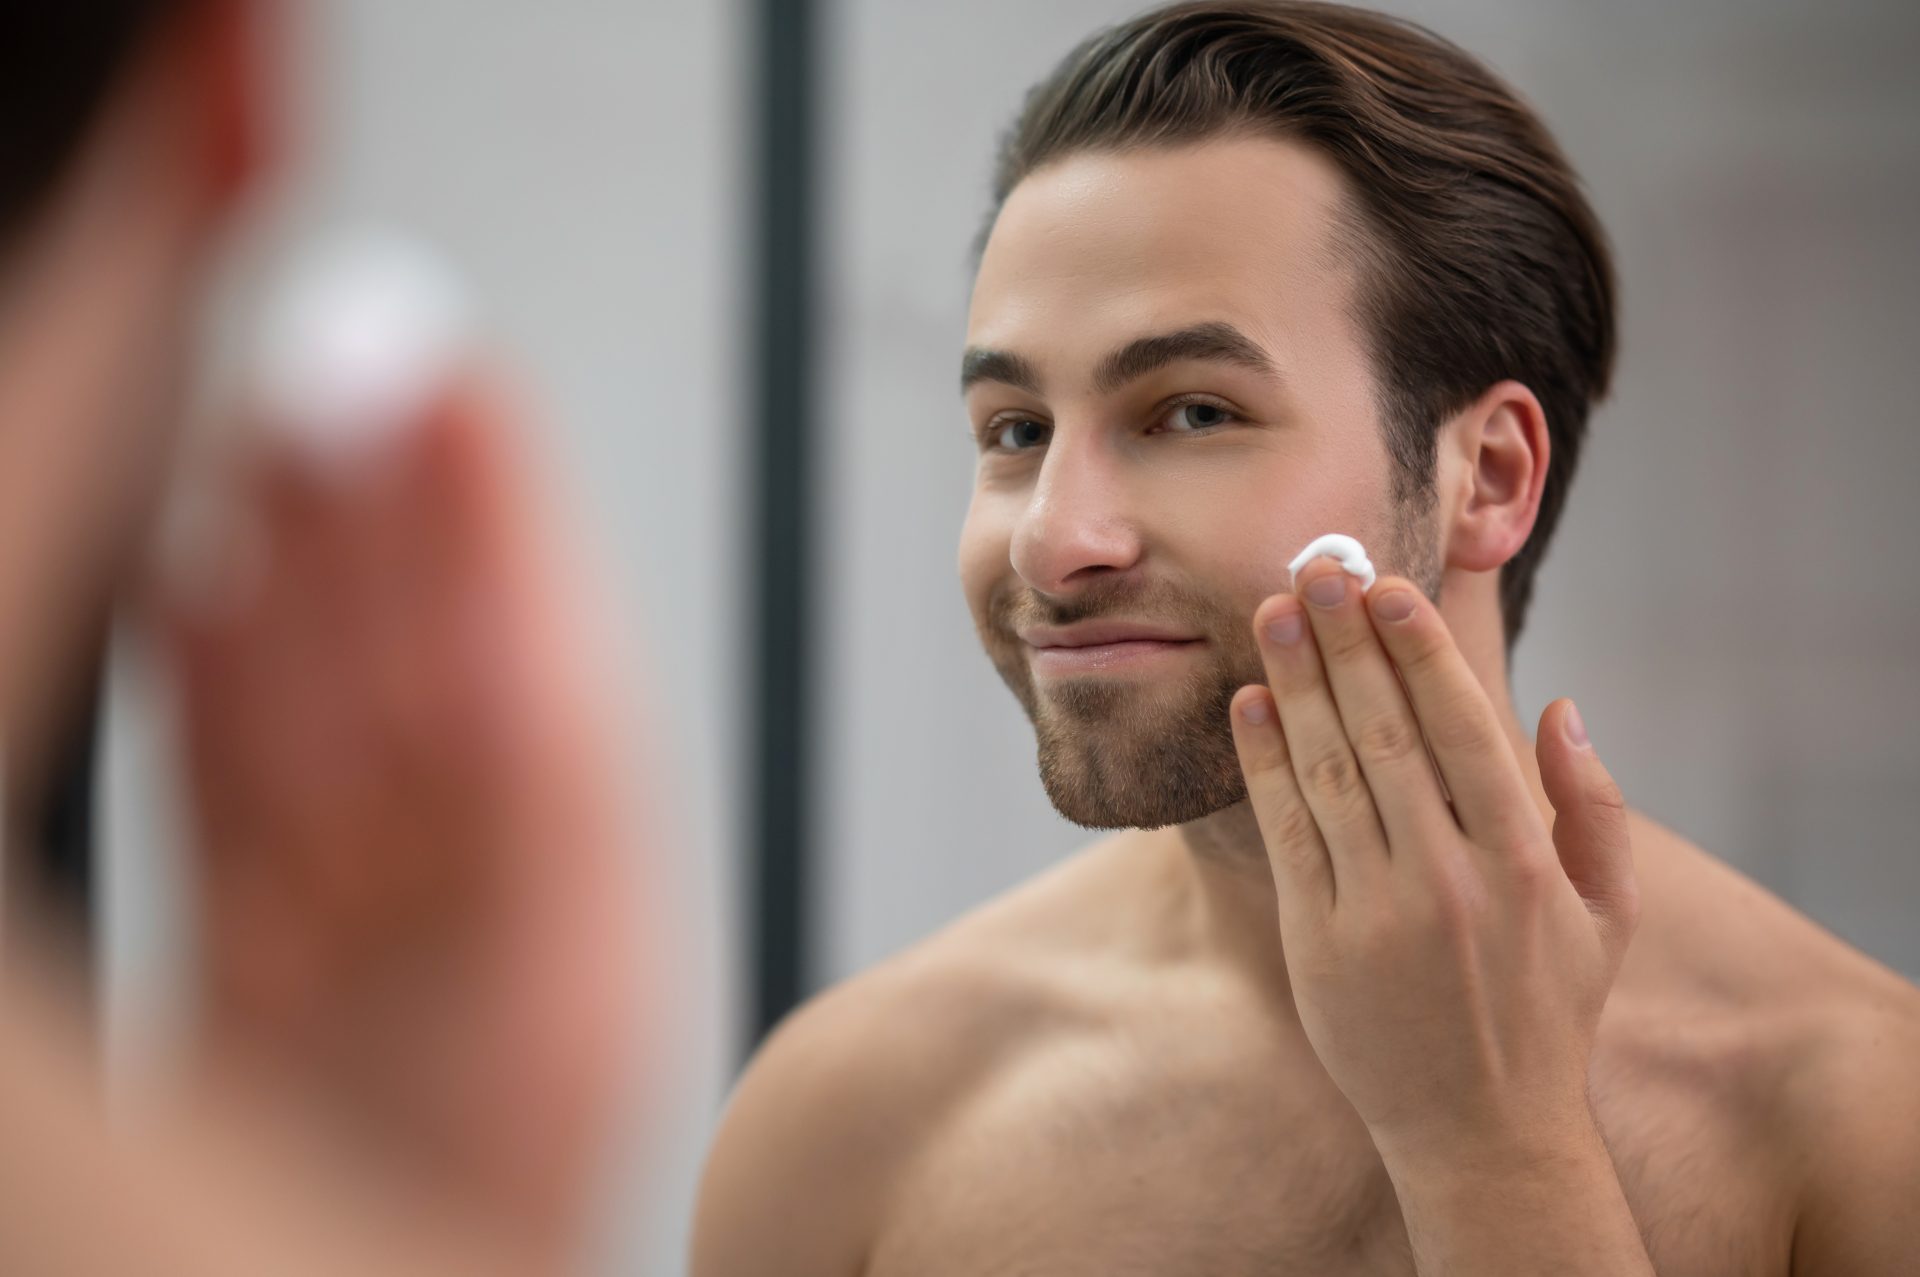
(1330, 1001)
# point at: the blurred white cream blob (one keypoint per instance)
(350, 337)
(359, 335)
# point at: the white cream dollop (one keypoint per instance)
(1344, 550)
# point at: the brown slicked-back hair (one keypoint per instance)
(59, 60)
(1481, 259)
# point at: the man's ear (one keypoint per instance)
(1493, 468)
(229, 51)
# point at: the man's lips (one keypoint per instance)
(1103, 633)
(1103, 646)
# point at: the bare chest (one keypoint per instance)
(1202, 1176)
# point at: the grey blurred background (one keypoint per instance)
(1729, 596)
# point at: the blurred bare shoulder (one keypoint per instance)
(1855, 1115)
(857, 1082)
(1745, 1031)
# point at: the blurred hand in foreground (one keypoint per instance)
(415, 818)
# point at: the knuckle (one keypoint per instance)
(1262, 760)
(1606, 796)
(1347, 642)
(1424, 653)
(1529, 870)
(1516, 837)
(1335, 777)
(1627, 906)
(1459, 727)
(1297, 824)
(1387, 738)
(1452, 904)
(1623, 895)
(1290, 822)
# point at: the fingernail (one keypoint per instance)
(1328, 590)
(1344, 550)
(1284, 628)
(1576, 730)
(1255, 710)
(1394, 605)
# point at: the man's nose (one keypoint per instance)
(1077, 525)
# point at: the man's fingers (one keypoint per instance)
(1324, 766)
(1379, 721)
(1302, 873)
(1491, 801)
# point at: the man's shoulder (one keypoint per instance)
(1862, 1042)
(1733, 974)
(1848, 1045)
(1808, 1045)
(859, 1079)
(1853, 1115)
(824, 1117)
(932, 1017)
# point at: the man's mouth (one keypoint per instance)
(1105, 647)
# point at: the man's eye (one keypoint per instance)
(1186, 417)
(1018, 436)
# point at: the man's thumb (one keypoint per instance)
(1590, 828)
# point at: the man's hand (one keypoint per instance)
(414, 836)
(1449, 960)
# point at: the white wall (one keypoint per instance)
(1727, 595)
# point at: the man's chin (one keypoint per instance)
(1103, 812)
(1128, 753)
(1101, 779)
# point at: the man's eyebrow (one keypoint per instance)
(1218, 342)
(1009, 369)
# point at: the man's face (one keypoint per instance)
(1172, 397)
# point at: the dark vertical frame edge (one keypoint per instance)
(783, 78)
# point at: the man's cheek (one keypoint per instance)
(1262, 571)
(1271, 545)
(983, 559)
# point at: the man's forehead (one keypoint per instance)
(1242, 229)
